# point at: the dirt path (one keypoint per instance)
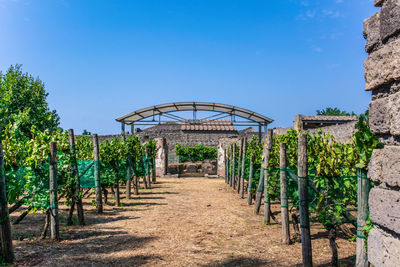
(179, 222)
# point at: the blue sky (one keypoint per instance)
(102, 59)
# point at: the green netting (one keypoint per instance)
(33, 182)
(86, 173)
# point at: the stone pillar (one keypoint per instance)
(161, 157)
(382, 75)
(223, 144)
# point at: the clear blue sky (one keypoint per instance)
(102, 59)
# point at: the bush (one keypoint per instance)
(195, 153)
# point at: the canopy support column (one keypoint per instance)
(122, 128)
(132, 128)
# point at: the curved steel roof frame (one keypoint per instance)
(144, 113)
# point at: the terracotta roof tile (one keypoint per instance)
(208, 125)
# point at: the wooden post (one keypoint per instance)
(260, 188)
(228, 178)
(233, 165)
(250, 187)
(239, 175)
(244, 140)
(226, 166)
(6, 252)
(230, 166)
(77, 196)
(267, 200)
(362, 214)
(259, 133)
(128, 177)
(116, 189)
(303, 200)
(153, 170)
(54, 222)
(97, 182)
(284, 197)
(147, 174)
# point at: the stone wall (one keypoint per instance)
(343, 133)
(281, 130)
(174, 138)
(382, 75)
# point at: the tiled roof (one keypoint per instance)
(305, 118)
(164, 127)
(208, 125)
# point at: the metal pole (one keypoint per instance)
(123, 128)
(132, 128)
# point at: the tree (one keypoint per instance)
(86, 132)
(334, 112)
(23, 101)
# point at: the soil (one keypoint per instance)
(178, 222)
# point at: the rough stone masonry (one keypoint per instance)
(382, 76)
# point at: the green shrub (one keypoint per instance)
(195, 153)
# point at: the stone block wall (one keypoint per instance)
(382, 76)
(343, 133)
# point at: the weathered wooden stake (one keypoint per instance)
(303, 200)
(116, 192)
(6, 252)
(362, 215)
(77, 196)
(284, 197)
(243, 168)
(226, 166)
(153, 171)
(233, 164)
(128, 177)
(97, 181)
(250, 186)
(267, 200)
(259, 193)
(54, 222)
(147, 169)
(240, 166)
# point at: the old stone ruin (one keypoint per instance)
(382, 76)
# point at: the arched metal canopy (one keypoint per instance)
(222, 111)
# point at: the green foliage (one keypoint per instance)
(254, 150)
(23, 103)
(195, 153)
(86, 132)
(334, 112)
(365, 142)
(27, 163)
(332, 170)
(366, 229)
(152, 148)
(84, 148)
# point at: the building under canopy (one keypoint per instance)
(216, 118)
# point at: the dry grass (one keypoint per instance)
(179, 222)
